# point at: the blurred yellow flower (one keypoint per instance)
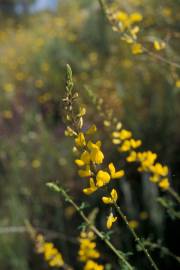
(137, 48)
(111, 219)
(164, 183)
(7, 114)
(8, 87)
(36, 163)
(159, 45)
(80, 140)
(133, 224)
(91, 265)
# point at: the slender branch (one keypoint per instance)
(93, 228)
(174, 194)
(136, 237)
(161, 58)
(162, 249)
(103, 6)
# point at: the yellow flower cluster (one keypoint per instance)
(158, 173)
(127, 25)
(91, 265)
(126, 20)
(51, 254)
(88, 252)
(89, 161)
(91, 156)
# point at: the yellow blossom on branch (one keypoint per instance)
(90, 189)
(96, 155)
(84, 159)
(91, 130)
(110, 220)
(102, 178)
(164, 184)
(115, 174)
(80, 140)
(112, 199)
(137, 48)
(86, 172)
(159, 45)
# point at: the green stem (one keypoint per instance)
(163, 249)
(102, 5)
(94, 229)
(136, 237)
(174, 194)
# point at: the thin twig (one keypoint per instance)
(136, 237)
(174, 194)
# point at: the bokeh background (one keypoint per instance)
(37, 40)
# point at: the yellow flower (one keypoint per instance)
(115, 134)
(178, 83)
(80, 140)
(116, 141)
(36, 163)
(122, 17)
(56, 261)
(134, 31)
(96, 155)
(79, 162)
(40, 243)
(133, 224)
(164, 183)
(112, 199)
(111, 219)
(87, 247)
(126, 146)
(146, 160)
(159, 169)
(135, 143)
(159, 45)
(91, 130)
(49, 251)
(113, 172)
(154, 178)
(84, 159)
(91, 189)
(85, 173)
(132, 157)
(122, 135)
(102, 178)
(91, 265)
(137, 48)
(135, 17)
(51, 254)
(8, 88)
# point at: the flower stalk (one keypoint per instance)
(67, 198)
